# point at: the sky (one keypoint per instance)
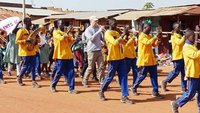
(97, 5)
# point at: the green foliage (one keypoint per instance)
(148, 5)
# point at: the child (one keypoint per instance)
(191, 57)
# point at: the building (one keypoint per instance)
(81, 17)
(187, 15)
(15, 9)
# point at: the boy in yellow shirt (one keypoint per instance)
(146, 60)
(191, 57)
(177, 57)
(130, 55)
(63, 57)
(27, 55)
(116, 62)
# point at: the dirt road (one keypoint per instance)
(16, 99)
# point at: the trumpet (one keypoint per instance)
(3, 34)
(74, 28)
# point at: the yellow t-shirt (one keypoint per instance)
(21, 37)
(146, 56)
(177, 46)
(192, 60)
(128, 48)
(114, 50)
(62, 45)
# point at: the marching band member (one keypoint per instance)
(191, 57)
(63, 57)
(130, 54)
(27, 55)
(116, 62)
(177, 57)
(146, 60)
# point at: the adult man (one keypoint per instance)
(63, 57)
(177, 57)
(116, 62)
(85, 61)
(94, 36)
(146, 60)
(27, 55)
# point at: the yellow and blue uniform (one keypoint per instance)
(177, 57)
(116, 62)
(37, 59)
(28, 56)
(21, 37)
(63, 58)
(192, 63)
(146, 61)
(130, 56)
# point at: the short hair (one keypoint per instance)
(112, 21)
(27, 19)
(189, 33)
(174, 24)
(56, 23)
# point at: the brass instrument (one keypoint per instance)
(3, 34)
(74, 28)
(33, 37)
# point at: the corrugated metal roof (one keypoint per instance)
(167, 11)
(4, 16)
(195, 11)
(86, 15)
(133, 15)
(34, 11)
(40, 21)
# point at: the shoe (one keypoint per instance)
(174, 107)
(53, 89)
(47, 74)
(95, 78)
(73, 92)
(134, 91)
(157, 95)
(101, 96)
(39, 77)
(19, 81)
(2, 81)
(84, 83)
(164, 85)
(35, 84)
(27, 75)
(126, 100)
(9, 73)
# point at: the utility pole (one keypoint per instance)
(24, 9)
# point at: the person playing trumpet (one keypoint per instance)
(146, 60)
(130, 54)
(63, 57)
(94, 37)
(177, 48)
(116, 62)
(28, 56)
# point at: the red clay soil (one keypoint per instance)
(25, 99)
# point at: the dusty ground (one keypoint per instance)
(16, 99)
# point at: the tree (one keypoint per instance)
(148, 5)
